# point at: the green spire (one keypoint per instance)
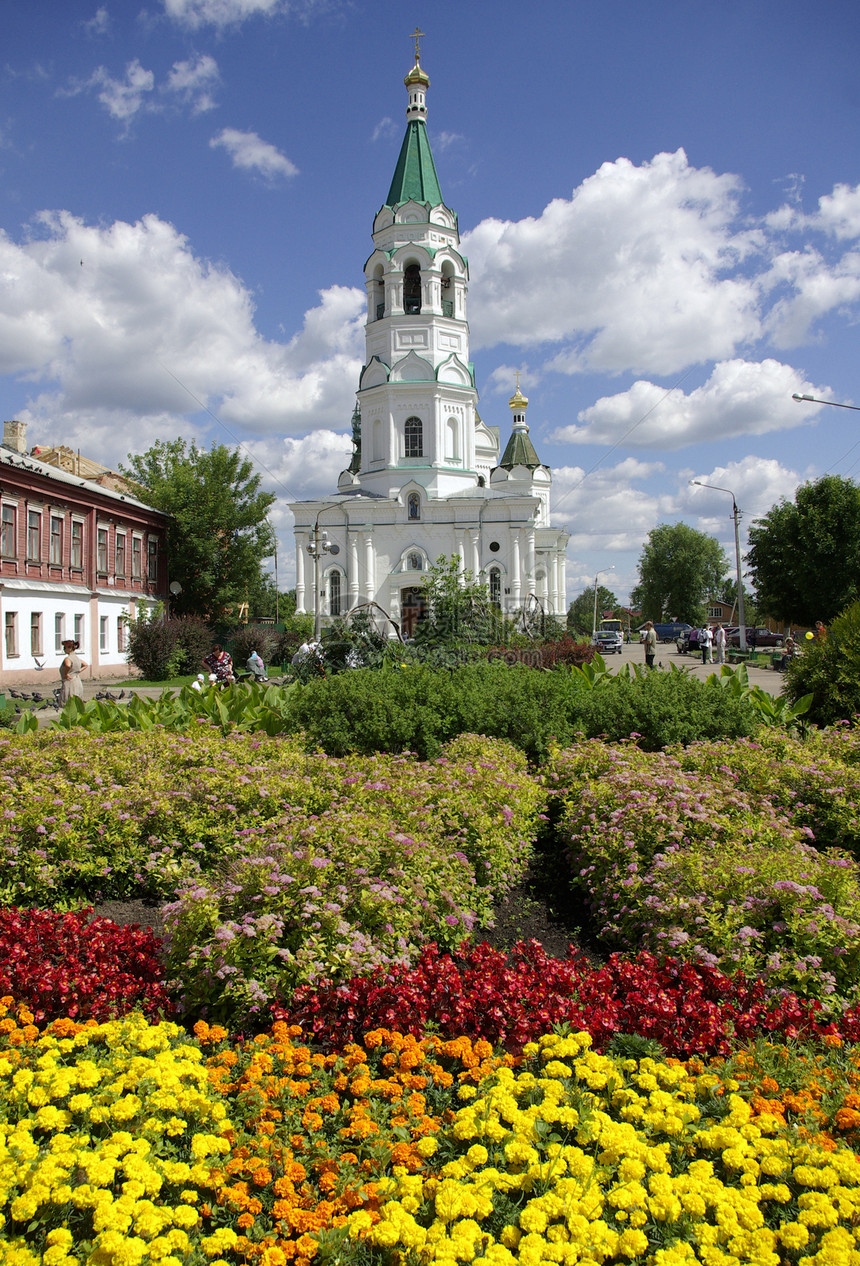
(415, 174)
(520, 451)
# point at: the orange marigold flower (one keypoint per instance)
(245, 1221)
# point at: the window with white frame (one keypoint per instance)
(334, 593)
(413, 438)
(36, 633)
(10, 632)
(56, 540)
(102, 551)
(79, 629)
(715, 613)
(152, 558)
(8, 524)
(34, 536)
(495, 586)
(59, 630)
(121, 634)
(76, 557)
(119, 559)
(136, 557)
(103, 633)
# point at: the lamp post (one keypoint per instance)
(742, 631)
(600, 573)
(837, 404)
(318, 546)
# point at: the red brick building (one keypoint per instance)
(77, 559)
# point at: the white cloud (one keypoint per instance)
(248, 151)
(97, 319)
(813, 288)
(221, 13)
(99, 23)
(123, 99)
(740, 398)
(384, 130)
(192, 82)
(757, 483)
(637, 270)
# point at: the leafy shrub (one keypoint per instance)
(664, 708)
(813, 781)
(511, 999)
(386, 854)
(563, 652)
(829, 670)
(194, 637)
(154, 646)
(86, 969)
(684, 862)
(418, 709)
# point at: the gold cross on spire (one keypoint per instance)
(518, 379)
(416, 36)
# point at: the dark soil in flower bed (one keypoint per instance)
(531, 911)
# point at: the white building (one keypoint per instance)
(426, 479)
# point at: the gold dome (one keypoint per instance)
(417, 76)
(518, 401)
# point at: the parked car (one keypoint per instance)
(608, 641)
(668, 632)
(688, 642)
(756, 638)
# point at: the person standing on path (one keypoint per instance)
(71, 667)
(707, 640)
(650, 644)
(719, 644)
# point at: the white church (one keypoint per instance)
(426, 479)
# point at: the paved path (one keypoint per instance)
(667, 656)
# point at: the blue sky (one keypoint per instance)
(660, 203)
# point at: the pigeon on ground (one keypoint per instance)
(14, 694)
(121, 695)
(37, 698)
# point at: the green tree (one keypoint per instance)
(580, 613)
(679, 569)
(805, 555)
(458, 609)
(218, 535)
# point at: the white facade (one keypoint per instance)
(427, 479)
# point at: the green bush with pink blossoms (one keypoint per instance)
(685, 860)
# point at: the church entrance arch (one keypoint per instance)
(413, 609)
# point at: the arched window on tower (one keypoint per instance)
(412, 290)
(413, 506)
(452, 440)
(447, 285)
(495, 586)
(379, 292)
(334, 593)
(413, 438)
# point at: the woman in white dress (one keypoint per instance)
(71, 667)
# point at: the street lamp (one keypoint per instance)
(318, 546)
(742, 632)
(600, 573)
(837, 404)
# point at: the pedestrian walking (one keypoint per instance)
(720, 644)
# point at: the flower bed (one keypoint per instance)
(511, 999)
(685, 861)
(138, 1142)
(69, 965)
